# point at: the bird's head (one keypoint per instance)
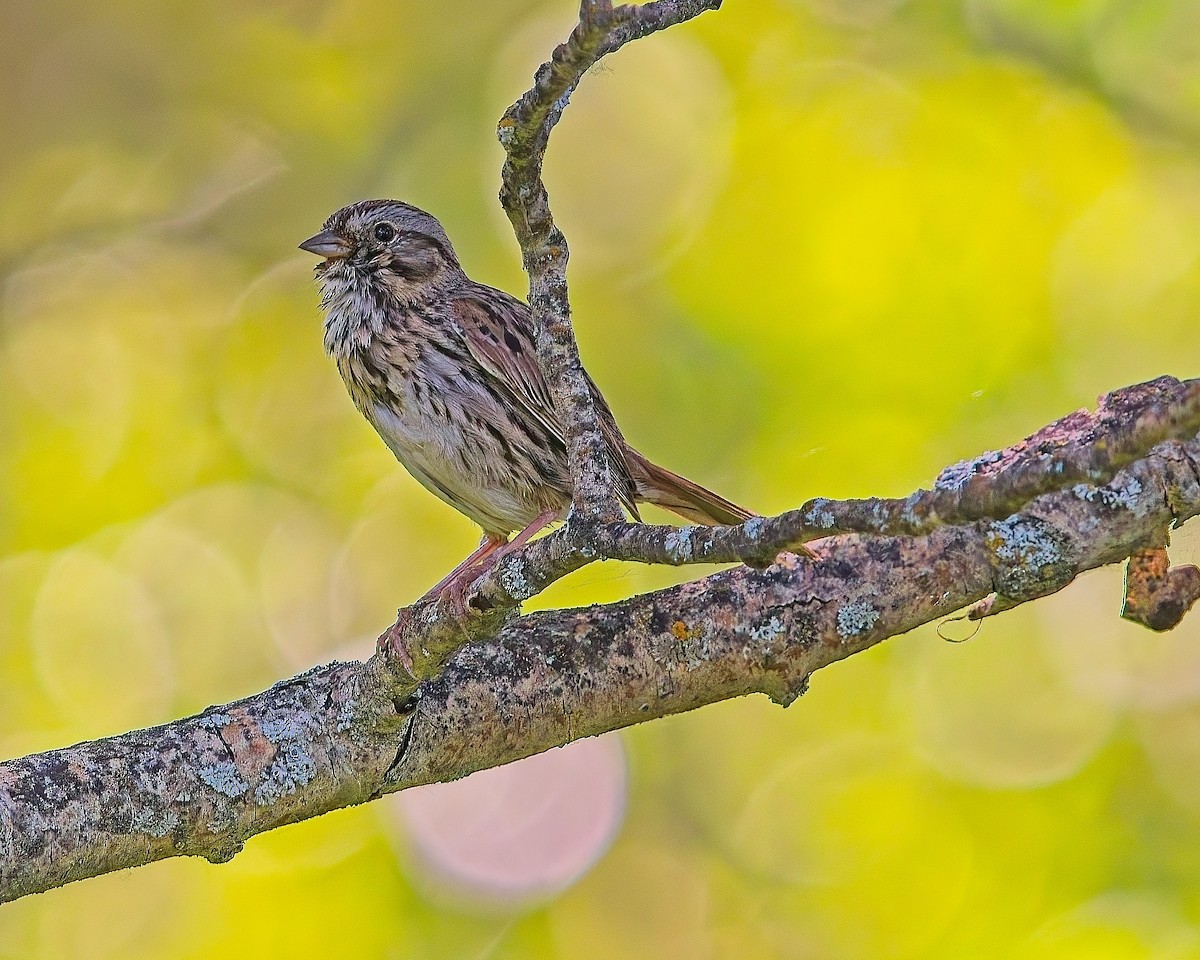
(391, 243)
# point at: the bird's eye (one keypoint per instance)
(385, 232)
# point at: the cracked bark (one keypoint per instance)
(477, 687)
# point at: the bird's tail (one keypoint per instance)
(657, 485)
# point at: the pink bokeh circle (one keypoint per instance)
(525, 830)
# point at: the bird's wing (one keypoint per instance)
(498, 331)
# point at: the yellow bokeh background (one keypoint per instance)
(819, 247)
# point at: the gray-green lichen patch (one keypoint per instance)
(767, 630)
(678, 544)
(512, 578)
(955, 476)
(223, 777)
(214, 721)
(155, 814)
(293, 766)
(819, 516)
(1025, 541)
(53, 790)
(282, 728)
(345, 715)
(156, 822)
(855, 618)
(1124, 493)
(1030, 557)
(908, 513)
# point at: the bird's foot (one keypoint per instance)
(391, 642)
(449, 598)
(453, 596)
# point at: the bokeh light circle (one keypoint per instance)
(522, 831)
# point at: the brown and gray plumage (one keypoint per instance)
(446, 371)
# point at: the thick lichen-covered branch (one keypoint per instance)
(349, 732)
(1077, 451)
(524, 132)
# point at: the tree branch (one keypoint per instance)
(350, 732)
(524, 131)
(1081, 448)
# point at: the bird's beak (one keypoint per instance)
(327, 244)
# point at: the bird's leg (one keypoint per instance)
(487, 546)
(490, 550)
(471, 569)
(453, 586)
(450, 583)
(540, 522)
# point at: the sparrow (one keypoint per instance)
(445, 369)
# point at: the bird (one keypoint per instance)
(445, 369)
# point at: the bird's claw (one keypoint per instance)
(391, 642)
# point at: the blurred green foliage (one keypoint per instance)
(819, 247)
